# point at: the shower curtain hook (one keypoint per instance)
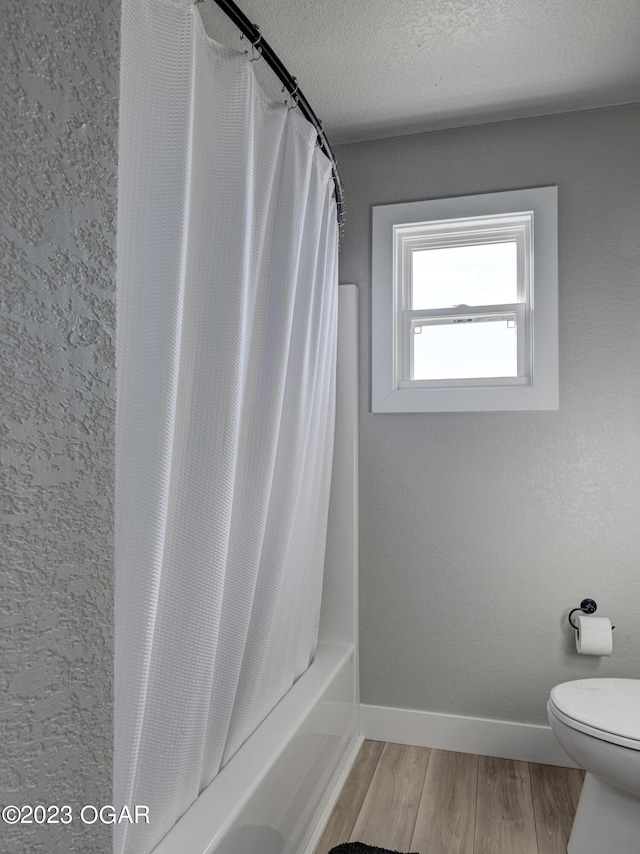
(256, 45)
(294, 100)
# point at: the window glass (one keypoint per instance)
(469, 348)
(473, 274)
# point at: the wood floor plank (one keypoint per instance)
(389, 810)
(345, 812)
(505, 820)
(555, 798)
(447, 811)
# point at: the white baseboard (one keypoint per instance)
(332, 799)
(482, 736)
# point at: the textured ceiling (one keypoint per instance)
(376, 68)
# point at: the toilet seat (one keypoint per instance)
(608, 709)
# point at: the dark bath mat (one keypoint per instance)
(359, 848)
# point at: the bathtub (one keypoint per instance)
(275, 794)
(270, 797)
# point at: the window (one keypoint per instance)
(464, 303)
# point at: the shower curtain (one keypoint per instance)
(227, 298)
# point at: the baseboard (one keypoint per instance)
(482, 736)
(338, 785)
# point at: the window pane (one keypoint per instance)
(482, 274)
(465, 349)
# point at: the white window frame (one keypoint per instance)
(527, 216)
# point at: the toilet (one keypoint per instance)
(597, 722)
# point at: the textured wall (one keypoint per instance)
(479, 531)
(59, 111)
(374, 68)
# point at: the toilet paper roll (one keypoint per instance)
(594, 635)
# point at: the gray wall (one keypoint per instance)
(479, 531)
(58, 182)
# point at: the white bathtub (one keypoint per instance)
(273, 795)
(270, 796)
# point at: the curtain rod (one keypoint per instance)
(252, 32)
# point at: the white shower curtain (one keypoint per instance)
(227, 297)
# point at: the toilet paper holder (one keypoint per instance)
(587, 606)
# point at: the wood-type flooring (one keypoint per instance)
(416, 799)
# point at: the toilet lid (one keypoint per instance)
(608, 707)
